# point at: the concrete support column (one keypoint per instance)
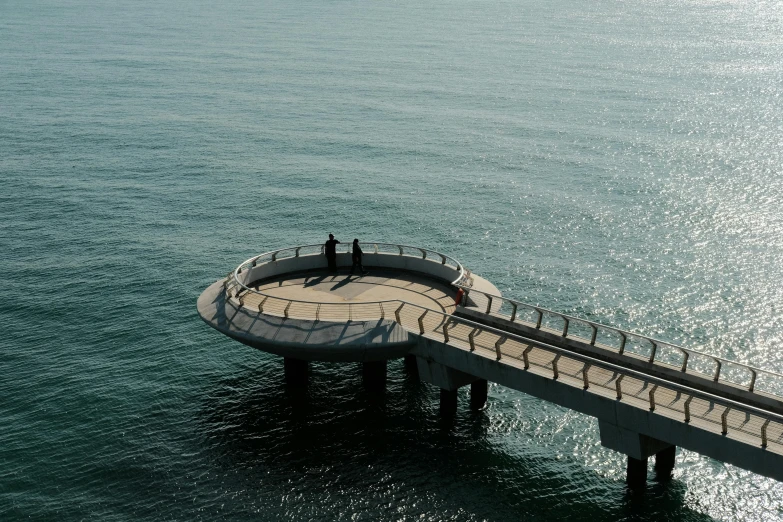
(411, 365)
(478, 394)
(374, 374)
(295, 371)
(664, 462)
(448, 402)
(636, 476)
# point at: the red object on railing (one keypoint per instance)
(458, 298)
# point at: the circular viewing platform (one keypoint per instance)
(288, 302)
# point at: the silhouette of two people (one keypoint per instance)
(330, 250)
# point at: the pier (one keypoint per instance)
(455, 329)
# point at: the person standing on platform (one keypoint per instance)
(330, 250)
(357, 258)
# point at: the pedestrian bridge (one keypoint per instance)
(455, 329)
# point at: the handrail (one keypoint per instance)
(589, 362)
(232, 280)
(621, 370)
(655, 343)
(231, 283)
(461, 280)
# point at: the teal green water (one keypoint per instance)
(620, 161)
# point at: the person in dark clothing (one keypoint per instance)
(330, 250)
(357, 258)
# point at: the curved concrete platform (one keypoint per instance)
(317, 315)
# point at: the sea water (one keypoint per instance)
(615, 160)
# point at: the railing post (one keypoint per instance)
(446, 331)
(585, 369)
(524, 356)
(261, 304)
(554, 367)
(421, 322)
(423, 253)
(398, 246)
(717, 369)
(274, 256)
(723, 422)
(500, 341)
(513, 311)
(622, 344)
(595, 334)
(685, 361)
(688, 408)
(540, 318)
(619, 388)
(470, 339)
(242, 300)
(489, 303)
(565, 327)
(397, 314)
(752, 379)
(652, 397)
(442, 259)
(285, 312)
(764, 433)
(383, 311)
(652, 352)
(318, 313)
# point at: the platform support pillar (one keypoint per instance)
(374, 374)
(295, 371)
(664, 462)
(411, 365)
(448, 402)
(478, 394)
(636, 476)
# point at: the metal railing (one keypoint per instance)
(463, 278)
(726, 416)
(292, 308)
(621, 342)
(636, 388)
(592, 374)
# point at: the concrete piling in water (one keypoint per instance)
(374, 375)
(448, 402)
(664, 463)
(295, 371)
(411, 366)
(478, 394)
(636, 476)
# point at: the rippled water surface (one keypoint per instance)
(617, 160)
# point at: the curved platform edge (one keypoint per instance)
(354, 341)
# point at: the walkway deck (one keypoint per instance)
(319, 294)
